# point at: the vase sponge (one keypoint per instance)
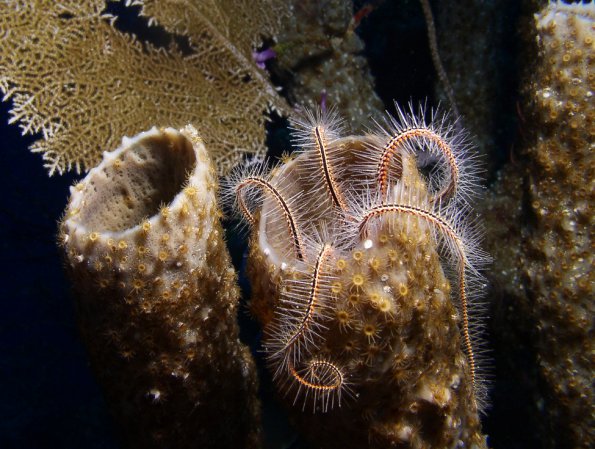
(352, 247)
(157, 296)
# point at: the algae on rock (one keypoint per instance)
(319, 56)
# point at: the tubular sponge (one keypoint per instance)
(157, 297)
(557, 264)
(365, 278)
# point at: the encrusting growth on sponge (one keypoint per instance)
(157, 296)
(364, 327)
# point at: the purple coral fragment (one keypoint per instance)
(260, 57)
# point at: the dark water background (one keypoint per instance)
(48, 396)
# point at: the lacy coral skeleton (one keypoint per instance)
(81, 83)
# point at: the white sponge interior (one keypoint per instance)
(147, 174)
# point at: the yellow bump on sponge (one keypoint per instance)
(157, 296)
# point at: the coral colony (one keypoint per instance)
(353, 251)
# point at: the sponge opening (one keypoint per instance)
(146, 175)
